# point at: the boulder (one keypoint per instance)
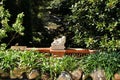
(33, 74)
(98, 75)
(65, 76)
(77, 74)
(45, 77)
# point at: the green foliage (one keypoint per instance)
(55, 3)
(95, 24)
(87, 23)
(3, 46)
(6, 28)
(10, 59)
(109, 62)
(4, 18)
(3, 34)
(55, 66)
(4, 13)
(29, 60)
(17, 26)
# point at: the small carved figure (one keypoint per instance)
(58, 43)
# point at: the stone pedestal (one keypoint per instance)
(57, 53)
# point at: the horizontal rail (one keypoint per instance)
(58, 53)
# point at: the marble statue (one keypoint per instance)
(58, 44)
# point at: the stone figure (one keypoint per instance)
(58, 44)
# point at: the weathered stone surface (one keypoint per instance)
(5, 74)
(117, 76)
(77, 74)
(65, 76)
(45, 77)
(98, 75)
(58, 43)
(16, 73)
(33, 74)
(18, 47)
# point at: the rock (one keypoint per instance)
(45, 77)
(98, 75)
(1, 71)
(18, 47)
(58, 44)
(5, 74)
(65, 76)
(117, 76)
(16, 73)
(33, 74)
(77, 74)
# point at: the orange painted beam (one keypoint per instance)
(79, 50)
(44, 50)
(58, 53)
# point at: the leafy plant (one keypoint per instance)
(95, 25)
(109, 62)
(6, 28)
(25, 61)
(13, 61)
(55, 66)
(30, 60)
(9, 60)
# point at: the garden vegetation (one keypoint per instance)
(92, 24)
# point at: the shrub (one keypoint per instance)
(95, 24)
(10, 59)
(55, 66)
(109, 62)
(16, 29)
(25, 61)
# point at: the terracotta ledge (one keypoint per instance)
(58, 53)
(79, 50)
(18, 47)
(45, 50)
